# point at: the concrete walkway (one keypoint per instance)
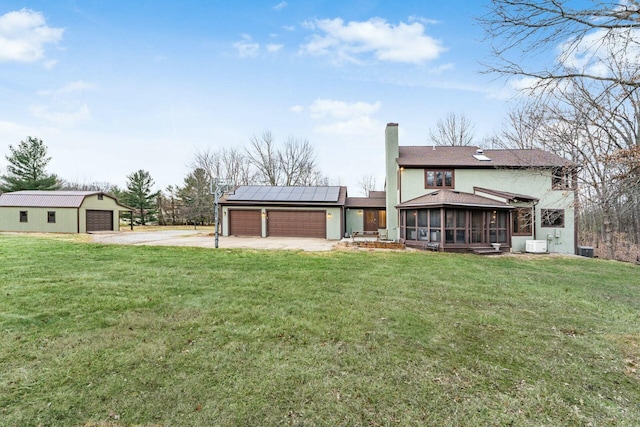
(206, 239)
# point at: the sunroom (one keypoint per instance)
(454, 221)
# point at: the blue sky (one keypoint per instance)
(116, 86)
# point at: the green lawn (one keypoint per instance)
(116, 335)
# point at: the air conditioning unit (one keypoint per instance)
(536, 246)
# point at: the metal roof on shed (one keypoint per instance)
(47, 199)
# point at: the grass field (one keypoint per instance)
(153, 336)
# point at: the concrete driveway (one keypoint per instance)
(206, 239)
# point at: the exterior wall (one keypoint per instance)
(354, 220)
(66, 220)
(528, 182)
(93, 203)
(333, 218)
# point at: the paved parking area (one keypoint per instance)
(206, 239)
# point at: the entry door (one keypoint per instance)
(374, 219)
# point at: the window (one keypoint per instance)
(455, 226)
(100, 197)
(522, 221)
(438, 178)
(51, 217)
(562, 179)
(23, 216)
(421, 224)
(498, 226)
(552, 217)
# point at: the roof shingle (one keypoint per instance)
(447, 156)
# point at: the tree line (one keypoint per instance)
(262, 162)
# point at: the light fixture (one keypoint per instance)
(329, 214)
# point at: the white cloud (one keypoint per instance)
(73, 87)
(280, 5)
(352, 127)
(247, 48)
(272, 48)
(340, 118)
(23, 35)
(289, 28)
(62, 118)
(321, 108)
(596, 51)
(386, 42)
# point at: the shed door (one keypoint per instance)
(99, 221)
(297, 224)
(245, 222)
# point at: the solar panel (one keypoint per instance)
(285, 194)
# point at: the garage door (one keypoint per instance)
(99, 221)
(297, 224)
(245, 223)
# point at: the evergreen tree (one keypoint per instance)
(26, 169)
(139, 195)
(197, 198)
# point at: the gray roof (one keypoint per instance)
(506, 195)
(463, 157)
(287, 194)
(453, 198)
(47, 199)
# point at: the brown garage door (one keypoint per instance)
(99, 221)
(245, 223)
(297, 224)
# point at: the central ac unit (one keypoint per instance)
(536, 246)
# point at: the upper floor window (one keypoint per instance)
(438, 178)
(100, 197)
(562, 179)
(23, 216)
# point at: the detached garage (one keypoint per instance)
(280, 211)
(60, 211)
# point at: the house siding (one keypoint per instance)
(354, 220)
(531, 182)
(66, 220)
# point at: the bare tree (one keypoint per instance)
(367, 184)
(453, 130)
(522, 30)
(523, 126)
(297, 162)
(293, 164)
(264, 157)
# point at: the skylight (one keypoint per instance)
(480, 156)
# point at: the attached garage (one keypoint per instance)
(99, 220)
(284, 211)
(245, 222)
(296, 223)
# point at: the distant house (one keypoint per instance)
(461, 198)
(254, 210)
(60, 211)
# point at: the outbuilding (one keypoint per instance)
(60, 211)
(284, 211)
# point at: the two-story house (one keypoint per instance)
(461, 198)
